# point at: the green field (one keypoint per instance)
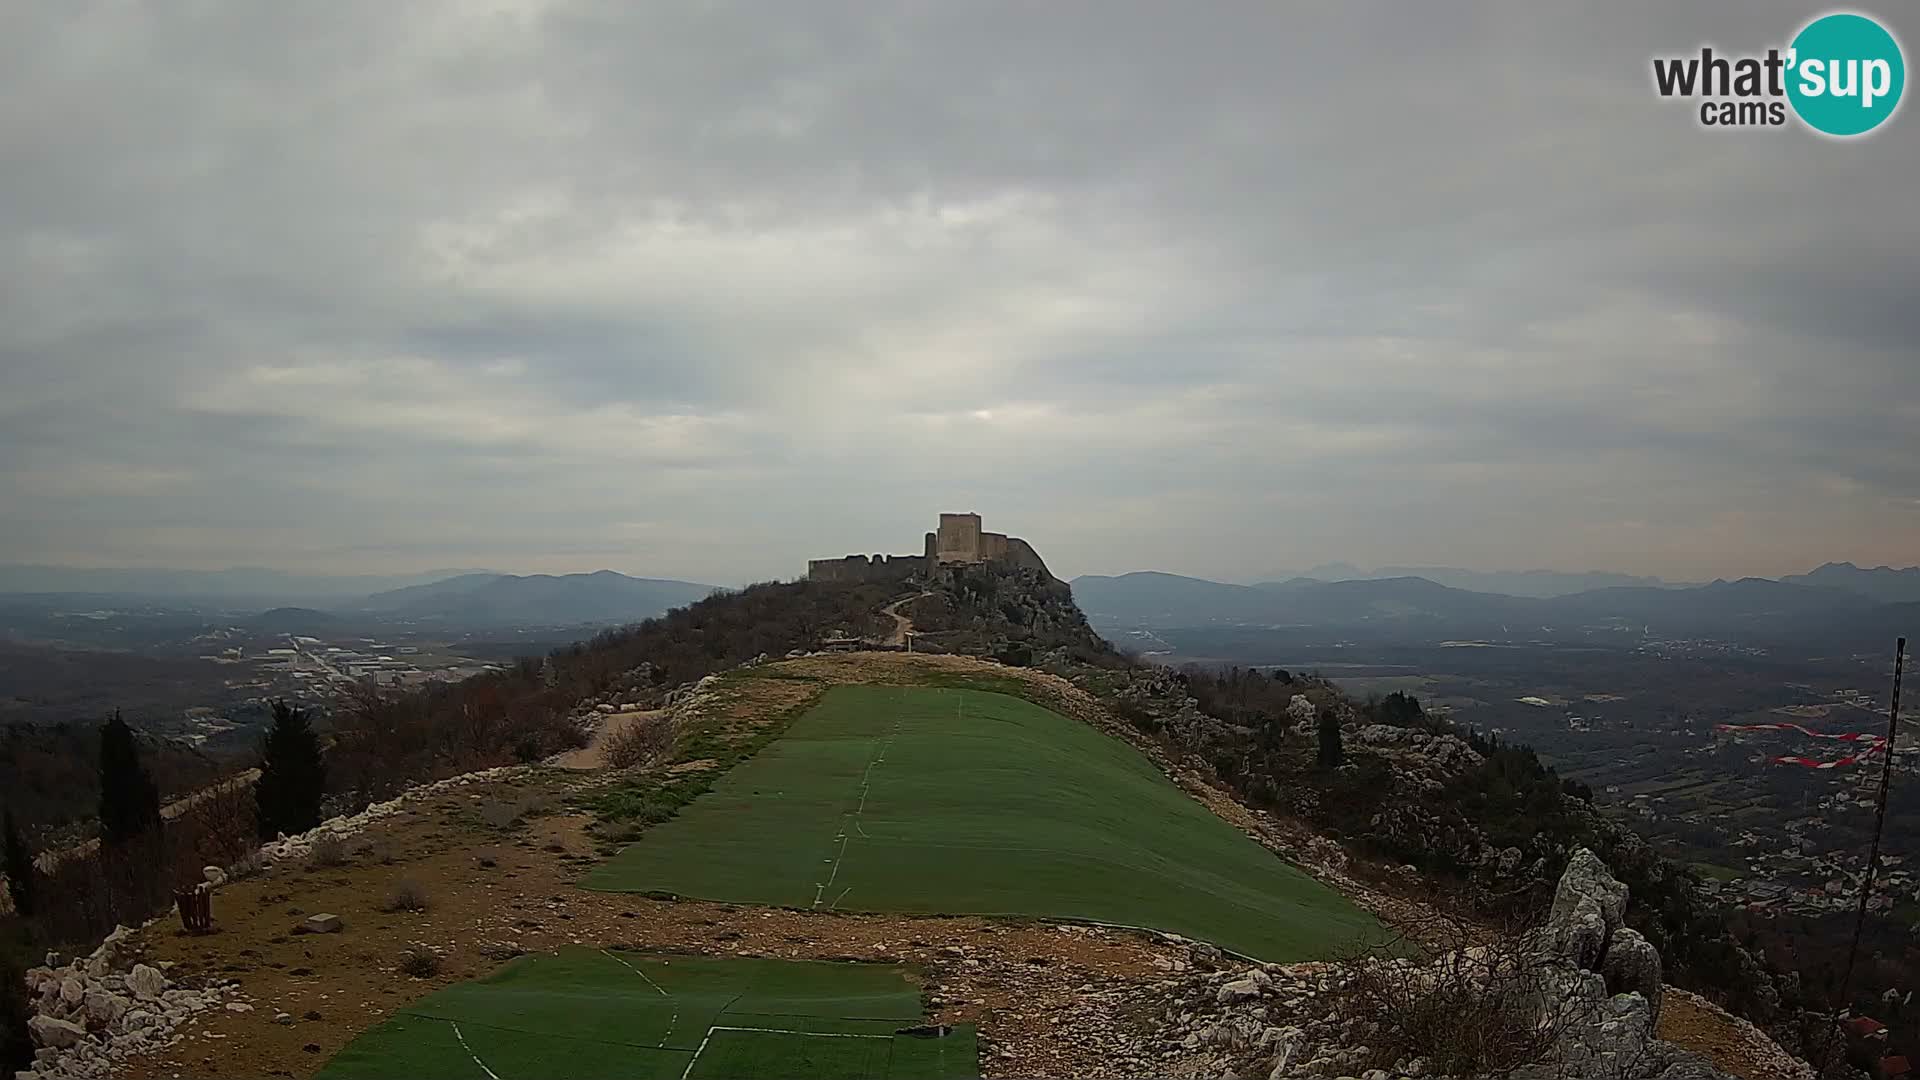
(597, 1015)
(916, 799)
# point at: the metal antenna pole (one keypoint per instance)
(1873, 853)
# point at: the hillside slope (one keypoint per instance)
(564, 600)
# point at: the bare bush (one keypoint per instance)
(1482, 1005)
(643, 741)
(219, 823)
(407, 895)
(420, 962)
(251, 864)
(328, 850)
(498, 814)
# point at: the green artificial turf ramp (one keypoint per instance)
(951, 801)
(605, 1015)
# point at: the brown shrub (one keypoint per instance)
(329, 850)
(220, 826)
(420, 962)
(643, 741)
(1481, 1006)
(407, 895)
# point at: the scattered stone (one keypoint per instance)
(146, 982)
(55, 1034)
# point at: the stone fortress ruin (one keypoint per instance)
(957, 540)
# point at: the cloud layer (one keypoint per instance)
(704, 290)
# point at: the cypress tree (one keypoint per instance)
(129, 799)
(1331, 752)
(19, 868)
(293, 775)
(16, 1040)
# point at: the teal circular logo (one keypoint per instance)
(1846, 74)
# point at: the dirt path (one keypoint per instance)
(593, 755)
(902, 626)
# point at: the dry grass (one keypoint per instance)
(329, 850)
(407, 895)
(1482, 1007)
(641, 741)
(420, 962)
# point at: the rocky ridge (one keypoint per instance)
(1592, 983)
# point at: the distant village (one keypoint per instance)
(307, 668)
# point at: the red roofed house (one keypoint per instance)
(1892, 1067)
(1866, 1027)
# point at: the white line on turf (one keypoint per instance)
(866, 785)
(688, 1071)
(671, 1021)
(809, 1034)
(470, 1053)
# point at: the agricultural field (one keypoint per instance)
(957, 801)
(605, 1015)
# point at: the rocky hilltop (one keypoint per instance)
(1534, 939)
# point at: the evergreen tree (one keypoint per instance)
(1331, 753)
(19, 867)
(293, 775)
(129, 799)
(16, 1040)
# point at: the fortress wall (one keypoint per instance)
(1021, 553)
(860, 568)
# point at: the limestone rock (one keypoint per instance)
(1238, 990)
(1580, 935)
(104, 1008)
(55, 1034)
(72, 991)
(1587, 889)
(146, 982)
(1632, 965)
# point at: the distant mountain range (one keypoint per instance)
(537, 599)
(1535, 583)
(240, 584)
(287, 602)
(1750, 609)
(1881, 583)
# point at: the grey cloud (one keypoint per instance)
(560, 285)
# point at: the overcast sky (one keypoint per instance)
(702, 290)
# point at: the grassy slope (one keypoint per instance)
(948, 800)
(585, 1013)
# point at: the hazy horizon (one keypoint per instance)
(703, 293)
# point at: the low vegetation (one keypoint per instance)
(1482, 1006)
(420, 962)
(407, 895)
(640, 742)
(328, 851)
